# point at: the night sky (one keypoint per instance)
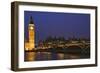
(58, 24)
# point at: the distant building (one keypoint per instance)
(30, 43)
(61, 43)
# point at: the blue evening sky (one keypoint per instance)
(58, 24)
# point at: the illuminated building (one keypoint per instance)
(30, 43)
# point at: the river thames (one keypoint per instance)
(44, 56)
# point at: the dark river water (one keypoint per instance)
(43, 56)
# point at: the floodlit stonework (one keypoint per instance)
(30, 43)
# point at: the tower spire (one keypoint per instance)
(31, 20)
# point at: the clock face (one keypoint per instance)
(31, 27)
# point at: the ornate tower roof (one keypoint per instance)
(31, 20)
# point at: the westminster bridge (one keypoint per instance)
(63, 48)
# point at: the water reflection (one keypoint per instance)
(41, 56)
(30, 56)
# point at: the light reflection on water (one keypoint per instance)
(43, 56)
(40, 56)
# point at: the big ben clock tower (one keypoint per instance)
(30, 45)
(31, 34)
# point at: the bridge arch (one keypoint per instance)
(74, 47)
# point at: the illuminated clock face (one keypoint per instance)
(31, 27)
